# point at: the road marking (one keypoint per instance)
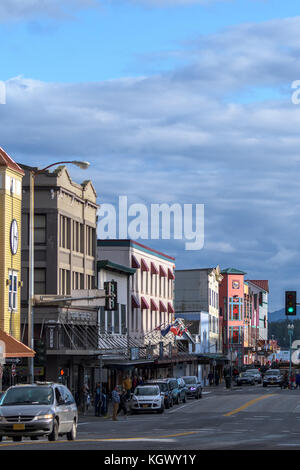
(249, 403)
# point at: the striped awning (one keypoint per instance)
(134, 262)
(154, 306)
(162, 271)
(144, 304)
(162, 307)
(170, 308)
(154, 269)
(170, 274)
(135, 301)
(144, 265)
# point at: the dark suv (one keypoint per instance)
(40, 409)
(194, 388)
(165, 388)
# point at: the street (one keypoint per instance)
(244, 418)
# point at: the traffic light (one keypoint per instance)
(40, 352)
(290, 302)
(111, 295)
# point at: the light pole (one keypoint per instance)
(33, 174)
(290, 332)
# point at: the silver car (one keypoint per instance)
(45, 409)
(257, 375)
(147, 398)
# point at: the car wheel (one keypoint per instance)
(54, 434)
(177, 400)
(71, 436)
(161, 410)
(171, 403)
(1, 437)
(17, 438)
(167, 405)
(184, 399)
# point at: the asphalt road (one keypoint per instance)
(244, 418)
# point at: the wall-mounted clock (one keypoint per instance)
(14, 236)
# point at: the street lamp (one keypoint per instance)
(290, 332)
(33, 173)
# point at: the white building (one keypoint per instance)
(151, 288)
(197, 291)
(260, 289)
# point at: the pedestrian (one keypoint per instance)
(115, 398)
(298, 380)
(134, 383)
(104, 400)
(140, 381)
(293, 381)
(122, 404)
(127, 384)
(217, 378)
(210, 378)
(85, 397)
(97, 399)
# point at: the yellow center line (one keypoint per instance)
(97, 440)
(249, 403)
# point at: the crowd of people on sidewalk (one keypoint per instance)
(100, 398)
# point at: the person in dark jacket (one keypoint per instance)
(122, 404)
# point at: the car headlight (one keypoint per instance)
(48, 416)
(192, 388)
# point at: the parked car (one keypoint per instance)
(165, 389)
(245, 378)
(273, 377)
(256, 374)
(182, 390)
(40, 409)
(194, 387)
(147, 398)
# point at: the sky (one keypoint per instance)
(171, 101)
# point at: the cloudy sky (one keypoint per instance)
(172, 101)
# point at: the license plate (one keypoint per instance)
(19, 427)
(145, 406)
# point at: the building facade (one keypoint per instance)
(65, 222)
(197, 290)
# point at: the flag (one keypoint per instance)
(165, 331)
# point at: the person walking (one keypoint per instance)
(115, 398)
(122, 404)
(127, 385)
(217, 378)
(134, 383)
(97, 399)
(210, 378)
(298, 379)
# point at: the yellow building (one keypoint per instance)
(10, 244)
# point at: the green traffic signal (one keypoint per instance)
(291, 310)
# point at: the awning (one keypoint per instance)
(154, 269)
(145, 266)
(14, 348)
(170, 308)
(170, 274)
(162, 307)
(134, 262)
(134, 302)
(162, 271)
(154, 306)
(144, 304)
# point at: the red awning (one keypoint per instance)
(154, 269)
(170, 274)
(154, 306)
(170, 308)
(145, 266)
(134, 262)
(134, 302)
(144, 304)
(162, 271)
(162, 307)
(14, 348)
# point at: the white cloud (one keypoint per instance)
(15, 10)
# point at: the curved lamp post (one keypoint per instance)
(33, 173)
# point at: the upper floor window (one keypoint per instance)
(13, 290)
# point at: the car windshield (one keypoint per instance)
(146, 391)
(245, 374)
(273, 372)
(163, 387)
(190, 380)
(28, 396)
(254, 371)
